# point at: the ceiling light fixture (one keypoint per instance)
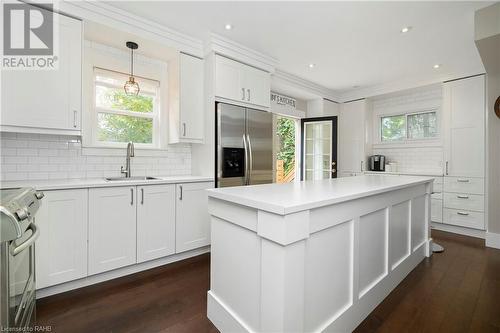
(228, 26)
(311, 65)
(436, 66)
(405, 29)
(131, 87)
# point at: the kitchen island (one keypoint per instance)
(313, 256)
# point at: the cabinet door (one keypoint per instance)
(192, 223)
(228, 79)
(352, 137)
(61, 249)
(155, 221)
(257, 85)
(191, 98)
(464, 106)
(112, 228)
(54, 95)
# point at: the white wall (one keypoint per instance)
(425, 156)
(39, 157)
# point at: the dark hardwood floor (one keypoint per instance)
(455, 291)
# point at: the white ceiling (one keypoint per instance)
(350, 43)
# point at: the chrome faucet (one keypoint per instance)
(130, 153)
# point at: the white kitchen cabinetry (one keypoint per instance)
(47, 101)
(192, 223)
(352, 138)
(61, 249)
(155, 221)
(112, 228)
(187, 121)
(437, 200)
(241, 83)
(464, 127)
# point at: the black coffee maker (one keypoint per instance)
(376, 163)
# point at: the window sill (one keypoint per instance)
(119, 151)
(408, 144)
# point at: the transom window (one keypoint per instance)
(120, 118)
(414, 126)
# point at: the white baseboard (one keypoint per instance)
(459, 230)
(98, 278)
(493, 240)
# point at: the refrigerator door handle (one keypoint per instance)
(250, 159)
(245, 178)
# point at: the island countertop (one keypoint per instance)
(298, 196)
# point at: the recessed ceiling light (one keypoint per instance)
(436, 66)
(405, 29)
(311, 65)
(228, 26)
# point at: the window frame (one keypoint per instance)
(407, 139)
(154, 115)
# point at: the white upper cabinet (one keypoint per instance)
(112, 228)
(61, 249)
(155, 221)
(192, 219)
(352, 137)
(47, 101)
(241, 83)
(187, 122)
(464, 113)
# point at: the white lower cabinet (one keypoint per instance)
(155, 221)
(112, 228)
(61, 249)
(192, 223)
(437, 210)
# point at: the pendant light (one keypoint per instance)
(131, 87)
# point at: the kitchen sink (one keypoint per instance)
(129, 179)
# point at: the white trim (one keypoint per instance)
(308, 86)
(493, 240)
(98, 278)
(459, 230)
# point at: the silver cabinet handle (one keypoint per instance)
(142, 196)
(463, 213)
(131, 196)
(248, 97)
(446, 168)
(462, 180)
(183, 129)
(74, 118)
(180, 192)
(27, 243)
(243, 93)
(361, 166)
(463, 196)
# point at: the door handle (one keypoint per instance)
(463, 196)
(446, 168)
(248, 97)
(361, 166)
(131, 196)
(183, 129)
(74, 118)
(462, 213)
(180, 192)
(243, 93)
(142, 196)
(462, 180)
(250, 159)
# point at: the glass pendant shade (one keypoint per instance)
(131, 87)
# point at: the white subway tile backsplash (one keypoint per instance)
(39, 156)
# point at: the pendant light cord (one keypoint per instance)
(132, 63)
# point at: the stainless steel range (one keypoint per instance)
(18, 233)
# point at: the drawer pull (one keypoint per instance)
(462, 180)
(463, 213)
(463, 196)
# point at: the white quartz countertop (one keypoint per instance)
(406, 173)
(298, 196)
(61, 184)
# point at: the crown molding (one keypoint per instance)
(119, 19)
(311, 87)
(240, 52)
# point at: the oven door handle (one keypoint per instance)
(27, 243)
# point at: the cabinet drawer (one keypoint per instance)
(464, 185)
(436, 210)
(463, 218)
(464, 201)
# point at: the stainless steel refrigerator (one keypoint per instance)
(244, 150)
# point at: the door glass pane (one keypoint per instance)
(318, 149)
